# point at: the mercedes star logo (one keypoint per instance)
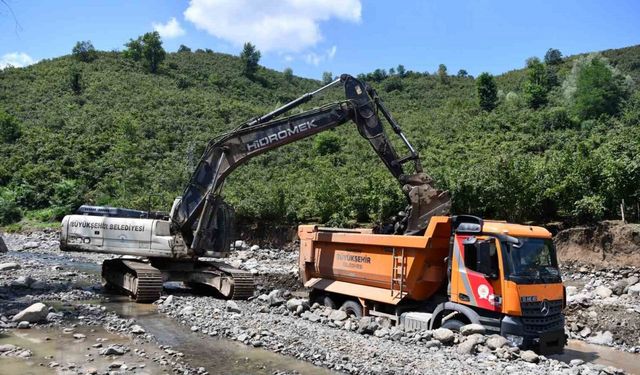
(544, 307)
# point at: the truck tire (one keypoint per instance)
(352, 308)
(327, 301)
(452, 324)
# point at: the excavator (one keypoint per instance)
(158, 247)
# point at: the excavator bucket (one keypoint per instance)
(425, 201)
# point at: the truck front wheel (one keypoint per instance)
(352, 308)
(452, 324)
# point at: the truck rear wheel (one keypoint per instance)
(327, 301)
(352, 308)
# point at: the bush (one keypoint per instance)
(9, 128)
(9, 211)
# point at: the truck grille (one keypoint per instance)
(543, 316)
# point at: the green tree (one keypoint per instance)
(149, 48)
(84, 51)
(327, 77)
(400, 70)
(75, 79)
(9, 210)
(442, 73)
(536, 85)
(250, 57)
(553, 57)
(9, 128)
(288, 74)
(598, 91)
(462, 73)
(487, 92)
(183, 48)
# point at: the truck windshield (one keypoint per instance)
(532, 260)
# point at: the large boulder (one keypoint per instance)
(9, 266)
(338, 315)
(470, 329)
(32, 314)
(603, 292)
(496, 342)
(444, 335)
(602, 338)
(634, 290)
(529, 356)
(3, 246)
(367, 325)
(293, 303)
(233, 307)
(619, 287)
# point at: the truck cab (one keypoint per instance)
(509, 274)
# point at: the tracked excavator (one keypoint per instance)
(158, 247)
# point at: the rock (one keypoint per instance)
(233, 307)
(187, 310)
(470, 329)
(634, 290)
(79, 336)
(381, 332)
(529, 356)
(7, 348)
(240, 244)
(602, 338)
(603, 292)
(32, 314)
(444, 335)
(91, 370)
(466, 347)
(619, 287)
(576, 362)
(312, 317)
(137, 330)
(3, 246)
(293, 304)
(168, 301)
(496, 342)
(30, 245)
(113, 350)
(632, 280)
(24, 325)
(571, 290)
(254, 248)
(22, 282)
(9, 266)
(338, 315)
(367, 325)
(116, 364)
(586, 331)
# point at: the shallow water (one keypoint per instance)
(600, 354)
(52, 345)
(217, 355)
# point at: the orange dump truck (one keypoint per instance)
(461, 270)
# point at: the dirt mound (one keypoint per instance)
(606, 243)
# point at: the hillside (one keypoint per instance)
(127, 137)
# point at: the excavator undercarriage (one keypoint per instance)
(143, 280)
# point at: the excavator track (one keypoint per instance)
(243, 286)
(141, 281)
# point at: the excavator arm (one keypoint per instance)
(198, 216)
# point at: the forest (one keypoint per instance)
(557, 139)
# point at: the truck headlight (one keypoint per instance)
(515, 340)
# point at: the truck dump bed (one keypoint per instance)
(377, 267)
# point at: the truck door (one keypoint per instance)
(475, 273)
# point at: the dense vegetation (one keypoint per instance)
(559, 140)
